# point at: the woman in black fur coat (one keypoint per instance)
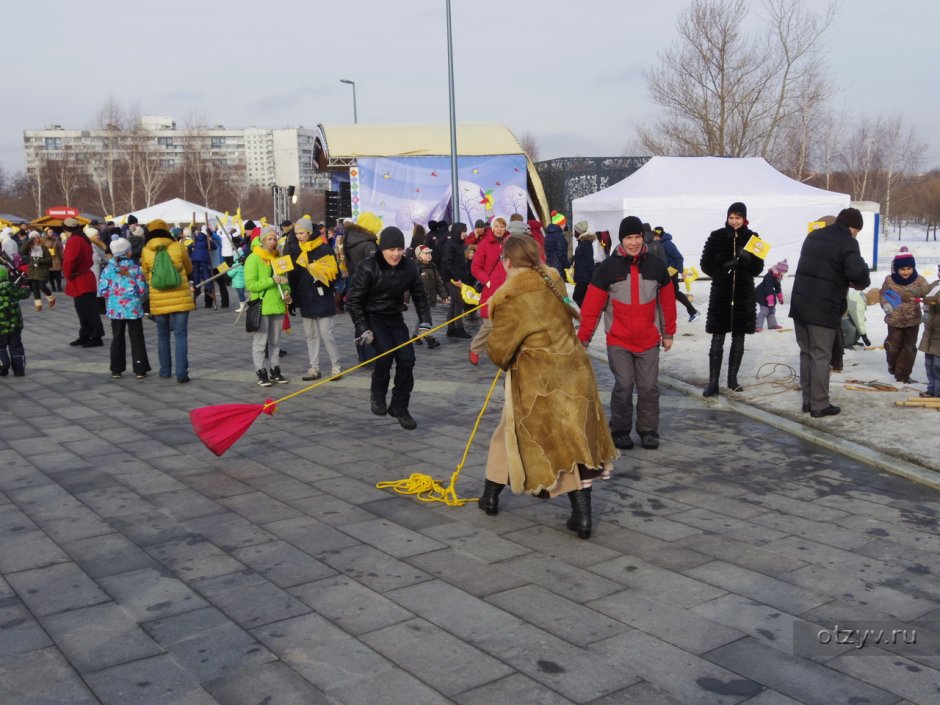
(731, 303)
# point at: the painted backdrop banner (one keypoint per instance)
(403, 191)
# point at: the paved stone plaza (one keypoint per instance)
(139, 569)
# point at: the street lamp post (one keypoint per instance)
(353, 84)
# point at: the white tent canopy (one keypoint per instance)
(689, 197)
(176, 211)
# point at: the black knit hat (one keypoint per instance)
(631, 225)
(850, 218)
(739, 208)
(132, 220)
(390, 238)
(249, 226)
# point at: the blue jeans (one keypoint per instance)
(932, 363)
(179, 322)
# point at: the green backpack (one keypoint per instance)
(164, 275)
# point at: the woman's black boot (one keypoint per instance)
(715, 353)
(489, 502)
(580, 519)
(735, 355)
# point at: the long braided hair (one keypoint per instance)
(523, 251)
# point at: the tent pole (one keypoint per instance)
(454, 196)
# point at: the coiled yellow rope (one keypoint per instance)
(425, 487)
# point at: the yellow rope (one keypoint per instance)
(275, 402)
(790, 382)
(425, 487)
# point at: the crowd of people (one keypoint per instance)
(527, 323)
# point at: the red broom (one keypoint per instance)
(218, 427)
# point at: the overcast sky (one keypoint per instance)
(567, 71)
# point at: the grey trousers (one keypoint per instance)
(815, 354)
(315, 330)
(268, 335)
(640, 370)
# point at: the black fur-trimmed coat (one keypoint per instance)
(731, 307)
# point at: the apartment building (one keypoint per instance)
(265, 156)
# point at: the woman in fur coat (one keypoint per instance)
(731, 303)
(552, 437)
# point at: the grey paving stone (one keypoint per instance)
(271, 684)
(517, 689)
(215, 485)
(688, 678)
(801, 679)
(349, 605)
(655, 526)
(41, 677)
(816, 510)
(641, 693)
(331, 510)
(283, 564)
(108, 554)
(464, 615)
(772, 697)
(557, 543)
(114, 503)
(389, 688)
(467, 573)
(150, 594)
(311, 536)
(249, 599)
(678, 626)
(85, 480)
(404, 513)
(667, 585)
(568, 619)
(56, 588)
(821, 532)
(151, 527)
(741, 508)
(476, 542)
(353, 491)
(59, 514)
(28, 549)
(282, 487)
(373, 569)
(259, 508)
(765, 623)
(19, 632)
(918, 537)
(229, 531)
(743, 554)
(194, 558)
(390, 538)
(863, 596)
(846, 563)
(435, 657)
(322, 653)
(777, 593)
(552, 661)
(158, 680)
(185, 504)
(208, 644)
(99, 637)
(895, 674)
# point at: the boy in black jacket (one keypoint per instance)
(375, 299)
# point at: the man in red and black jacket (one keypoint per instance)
(634, 291)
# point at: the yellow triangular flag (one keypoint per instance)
(757, 247)
(282, 265)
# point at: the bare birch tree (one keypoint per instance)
(727, 94)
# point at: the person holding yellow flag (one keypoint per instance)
(312, 284)
(272, 289)
(731, 304)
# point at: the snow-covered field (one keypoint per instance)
(770, 370)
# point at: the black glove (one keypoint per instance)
(866, 340)
(292, 310)
(729, 265)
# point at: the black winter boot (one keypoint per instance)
(276, 376)
(489, 502)
(735, 356)
(263, 378)
(379, 407)
(580, 519)
(19, 365)
(715, 353)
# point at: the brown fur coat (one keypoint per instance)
(554, 419)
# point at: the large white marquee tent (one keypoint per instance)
(176, 211)
(689, 197)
